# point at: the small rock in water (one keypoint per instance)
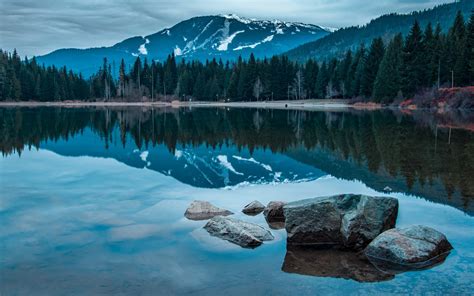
(414, 247)
(274, 211)
(350, 221)
(203, 210)
(253, 208)
(244, 234)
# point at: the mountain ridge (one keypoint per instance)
(226, 37)
(385, 26)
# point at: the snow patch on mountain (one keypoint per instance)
(144, 155)
(177, 51)
(266, 39)
(225, 163)
(252, 160)
(238, 18)
(142, 49)
(225, 43)
(191, 45)
(178, 154)
(329, 29)
(226, 38)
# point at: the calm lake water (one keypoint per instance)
(92, 199)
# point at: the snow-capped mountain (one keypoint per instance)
(206, 37)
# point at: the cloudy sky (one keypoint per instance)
(36, 27)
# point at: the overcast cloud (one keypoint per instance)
(36, 27)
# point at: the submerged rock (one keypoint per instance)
(349, 221)
(253, 208)
(414, 247)
(244, 234)
(203, 210)
(331, 263)
(274, 211)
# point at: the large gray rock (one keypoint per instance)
(244, 234)
(273, 212)
(411, 248)
(253, 208)
(203, 210)
(349, 221)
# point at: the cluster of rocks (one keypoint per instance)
(242, 233)
(364, 224)
(360, 229)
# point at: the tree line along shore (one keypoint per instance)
(427, 67)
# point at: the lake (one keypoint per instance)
(92, 199)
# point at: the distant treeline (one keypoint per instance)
(388, 69)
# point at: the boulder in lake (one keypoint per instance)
(253, 208)
(274, 211)
(414, 247)
(244, 234)
(203, 210)
(349, 221)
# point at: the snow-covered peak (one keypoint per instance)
(330, 29)
(243, 20)
(275, 22)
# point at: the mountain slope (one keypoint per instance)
(207, 37)
(385, 26)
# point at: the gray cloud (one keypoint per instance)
(38, 27)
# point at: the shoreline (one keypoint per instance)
(310, 105)
(306, 104)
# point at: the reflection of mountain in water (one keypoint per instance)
(198, 166)
(422, 154)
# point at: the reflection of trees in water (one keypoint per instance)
(413, 147)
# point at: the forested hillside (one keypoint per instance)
(386, 27)
(399, 68)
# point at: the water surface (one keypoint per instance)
(92, 199)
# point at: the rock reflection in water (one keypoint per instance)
(276, 224)
(332, 263)
(396, 268)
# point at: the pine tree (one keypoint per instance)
(199, 90)
(388, 82)
(413, 61)
(343, 73)
(359, 69)
(170, 78)
(457, 36)
(122, 79)
(372, 63)
(310, 73)
(470, 48)
(431, 56)
(232, 90)
(322, 81)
